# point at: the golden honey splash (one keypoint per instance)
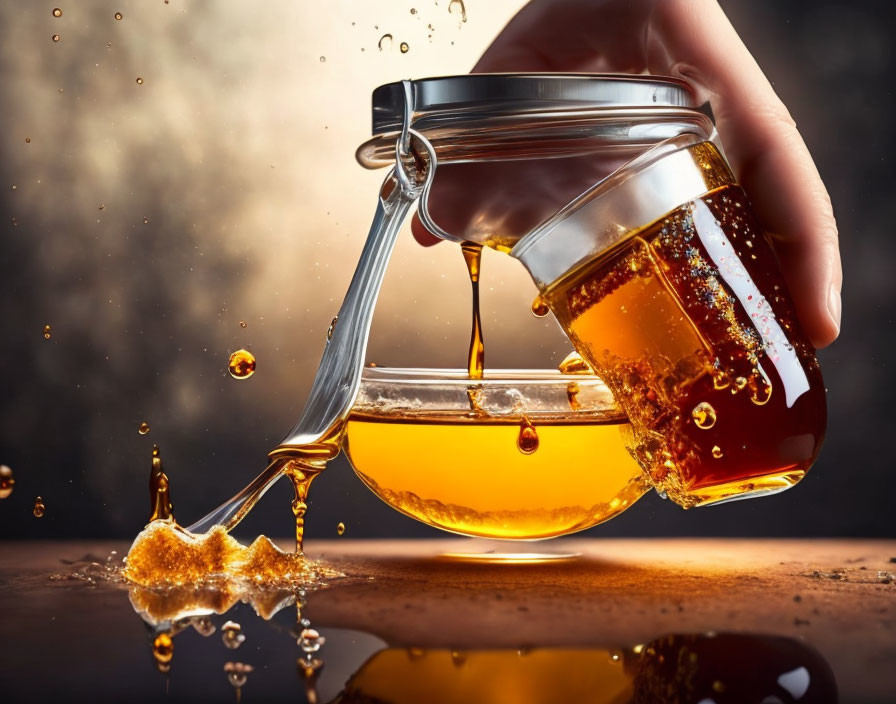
(159, 490)
(39, 508)
(7, 481)
(241, 364)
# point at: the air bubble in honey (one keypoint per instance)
(760, 388)
(57, 12)
(717, 451)
(39, 508)
(232, 635)
(242, 364)
(385, 42)
(340, 528)
(704, 415)
(332, 327)
(47, 330)
(143, 428)
(540, 307)
(7, 481)
(457, 7)
(404, 47)
(527, 440)
(118, 15)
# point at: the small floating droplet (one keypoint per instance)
(340, 528)
(310, 641)
(118, 15)
(47, 331)
(720, 380)
(540, 307)
(57, 12)
(332, 327)
(139, 81)
(716, 451)
(55, 37)
(163, 651)
(574, 364)
(39, 508)
(404, 47)
(243, 323)
(527, 440)
(237, 674)
(704, 415)
(143, 428)
(323, 59)
(145, 220)
(232, 635)
(413, 11)
(385, 42)
(7, 481)
(739, 384)
(101, 207)
(760, 387)
(27, 140)
(456, 7)
(242, 364)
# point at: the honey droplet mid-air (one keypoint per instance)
(237, 674)
(527, 440)
(232, 635)
(163, 648)
(139, 81)
(704, 415)
(540, 307)
(243, 323)
(47, 331)
(57, 12)
(242, 364)
(404, 47)
(56, 37)
(717, 452)
(340, 528)
(143, 428)
(39, 508)
(118, 15)
(7, 481)
(760, 388)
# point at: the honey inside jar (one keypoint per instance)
(522, 465)
(688, 321)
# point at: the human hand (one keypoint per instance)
(693, 40)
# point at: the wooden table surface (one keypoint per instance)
(837, 595)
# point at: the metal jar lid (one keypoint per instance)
(468, 114)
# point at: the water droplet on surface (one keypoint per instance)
(242, 364)
(332, 327)
(7, 481)
(243, 323)
(340, 528)
(527, 440)
(717, 451)
(704, 415)
(139, 81)
(760, 387)
(540, 307)
(456, 7)
(323, 59)
(413, 11)
(39, 508)
(385, 42)
(57, 12)
(310, 641)
(27, 140)
(232, 635)
(404, 47)
(47, 332)
(55, 37)
(118, 15)
(101, 207)
(143, 428)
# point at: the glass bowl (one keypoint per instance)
(520, 454)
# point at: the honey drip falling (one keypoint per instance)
(476, 358)
(39, 508)
(159, 493)
(7, 481)
(527, 440)
(540, 307)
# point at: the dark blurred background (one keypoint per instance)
(144, 221)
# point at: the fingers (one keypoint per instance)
(766, 151)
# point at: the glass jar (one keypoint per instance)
(519, 454)
(615, 194)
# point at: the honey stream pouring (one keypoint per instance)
(315, 438)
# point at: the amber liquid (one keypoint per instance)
(466, 473)
(689, 323)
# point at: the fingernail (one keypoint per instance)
(834, 306)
